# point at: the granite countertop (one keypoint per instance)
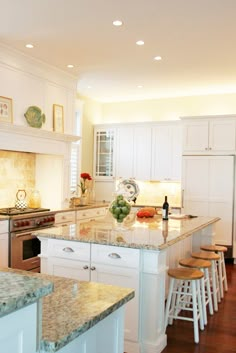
(73, 307)
(17, 291)
(151, 233)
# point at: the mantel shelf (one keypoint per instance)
(31, 131)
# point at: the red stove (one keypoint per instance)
(24, 247)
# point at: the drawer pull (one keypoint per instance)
(93, 268)
(114, 255)
(85, 267)
(68, 249)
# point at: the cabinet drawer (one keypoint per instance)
(115, 255)
(69, 250)
(3, 226)
(91, 213)
(65, 217)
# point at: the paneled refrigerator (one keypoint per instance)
(208, 190)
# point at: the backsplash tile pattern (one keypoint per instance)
(17, 171)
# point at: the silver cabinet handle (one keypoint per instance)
(114, 255)
(68, 249)
(92, 268)
(85, 267)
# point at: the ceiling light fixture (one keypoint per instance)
(29, 46)
(140, 86)
(157, 58)
(117, 23)
(70, 66)
(140, 42)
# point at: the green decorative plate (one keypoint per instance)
(34, 116)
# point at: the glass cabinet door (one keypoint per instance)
(104, 153)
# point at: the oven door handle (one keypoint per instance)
(23, 234)
(68, 249)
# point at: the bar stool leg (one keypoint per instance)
(171, 286)
(219, 265)
(203, 300)
(222, 258)
(214, 286)
(208, 287)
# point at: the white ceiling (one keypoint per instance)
(195, 38)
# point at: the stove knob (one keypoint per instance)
(16, 224)
(22, 223)
(52, 219)
(27, 223)
(38, 223)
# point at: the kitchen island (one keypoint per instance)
(46, 314)
(135, 256)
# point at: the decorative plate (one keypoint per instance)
(35, 117)
(130, 188)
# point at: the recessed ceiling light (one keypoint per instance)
(157, 58)
(70, 66)
(117, 23)
(89, 87)
(29, 46)
(140, 86)
(140, 42)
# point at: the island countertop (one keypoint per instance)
(17, 290)
(151, 233)
(72, 308)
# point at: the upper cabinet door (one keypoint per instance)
(222, 135)
(142, 153)
(216, 135)
(104, 141)
(125, 152)
(133, 152)
(166, 152)
(195, 135)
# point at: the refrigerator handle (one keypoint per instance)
(182, 199)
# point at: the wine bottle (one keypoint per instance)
(165, 210)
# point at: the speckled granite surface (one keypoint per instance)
(17, 291)
(73, 307)
(151, 233)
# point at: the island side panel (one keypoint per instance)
(153, 278)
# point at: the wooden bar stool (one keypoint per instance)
(222, 272)
(202, 265)
(213, 258)
(185, 284)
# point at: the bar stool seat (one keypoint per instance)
(213, 258)
(185, 284)
(202, 265)
(219, 249)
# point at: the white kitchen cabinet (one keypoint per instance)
(208, 188)
(119, 266)
(133, 152)
(209, 135)
(65, 218)
(90, 214)
(65, 258)
(104, 140)
(4, 243)
(166, 152)
(19, 330)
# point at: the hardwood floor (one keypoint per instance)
(219, 335)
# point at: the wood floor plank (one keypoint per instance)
(219, 335)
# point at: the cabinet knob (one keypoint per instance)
(93, 268)
(85, 267)
(68, 249)
(114, 255)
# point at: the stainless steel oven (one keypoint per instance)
(24, 247)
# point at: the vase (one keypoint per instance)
(83, 200)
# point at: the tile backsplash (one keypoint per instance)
(153, 193)
(17, 171)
